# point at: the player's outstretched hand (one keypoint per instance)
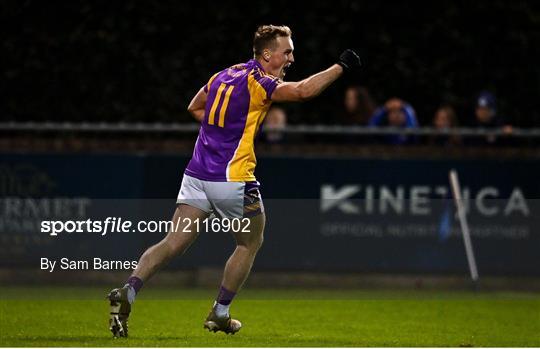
(349, 60)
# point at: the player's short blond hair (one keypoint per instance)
(266, 35)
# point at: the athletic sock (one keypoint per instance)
(131, 294)
(223, 301)
(134, 285)
(221, 310)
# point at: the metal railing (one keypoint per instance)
(290, 129)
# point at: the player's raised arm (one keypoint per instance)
(197, 105)
(312, 86)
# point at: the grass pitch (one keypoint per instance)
(69, 317)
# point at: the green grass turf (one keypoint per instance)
(61, 316)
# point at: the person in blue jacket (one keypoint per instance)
(395, 113)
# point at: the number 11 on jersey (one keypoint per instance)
(213, 111)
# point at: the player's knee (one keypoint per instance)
(256, 243)
(175, 247)
(259, 241)
(252, 245)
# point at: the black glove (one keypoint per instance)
(349, 60)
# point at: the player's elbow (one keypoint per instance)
(304, 94)
(197, 114)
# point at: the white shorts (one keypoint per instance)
(224, 199)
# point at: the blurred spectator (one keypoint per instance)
(486, 117)
(274, 123)
(395, 113)
(444, 119)
(486, 111)
(359, 106)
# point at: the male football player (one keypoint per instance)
(220, 176)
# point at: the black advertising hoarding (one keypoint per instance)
(342, 214)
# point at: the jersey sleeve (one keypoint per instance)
(267, 82)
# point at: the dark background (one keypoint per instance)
(143, 61)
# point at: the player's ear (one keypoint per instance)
(266, 55)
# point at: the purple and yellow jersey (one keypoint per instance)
(237, 102)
